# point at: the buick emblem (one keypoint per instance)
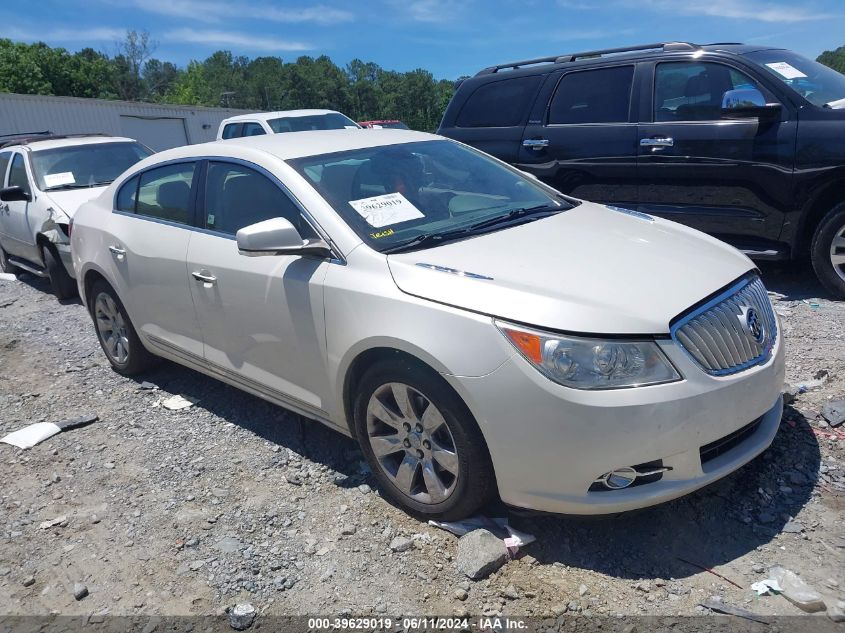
(755, 325)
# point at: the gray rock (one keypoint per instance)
(364, 489)
(480, 553)
(348, 530)
(583, 591)
(461, 594)
(28, 581)
(837, 612)
(79, 591)
(834, 412)
(241, 616)
(510, 593)
(758, 568)
(401, 544)
(792, 527)
(796, 590)
(228, 545)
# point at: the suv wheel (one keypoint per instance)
(116, 333)
(5, 265)
(63, 285)
(828, 251)
(421, 442)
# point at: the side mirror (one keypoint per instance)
(277, 236)
(744, 103)
(14, 194)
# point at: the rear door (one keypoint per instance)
(147, 239)
(493, 116)
(727, 177)
(583, 142)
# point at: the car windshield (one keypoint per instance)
(397, 195)
(81, 166)
(330, 121)
(818, 84)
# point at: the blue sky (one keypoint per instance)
(447, 37)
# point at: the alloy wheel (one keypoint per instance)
(412, 443)
(111, 328)
(837, 252)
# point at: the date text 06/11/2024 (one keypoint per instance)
(424, 623)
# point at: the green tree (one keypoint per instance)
(835, 59)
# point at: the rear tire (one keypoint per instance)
(828, 251)
(432, 458)
(63, 285)
(116, 334)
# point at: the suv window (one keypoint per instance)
(237, 196)
(232, 130)
(4, 164)
(17, 174)
(692, 91)
(593, 96)
(252, 129)
(500, 103)
(165, 193)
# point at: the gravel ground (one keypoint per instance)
(236, 500)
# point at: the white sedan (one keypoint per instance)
(478, 332)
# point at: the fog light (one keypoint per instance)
(619, 478)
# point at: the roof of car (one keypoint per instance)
(282, 114)
(36, 144)
(296, 144)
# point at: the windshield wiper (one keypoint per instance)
(78, 185)
(436, 239)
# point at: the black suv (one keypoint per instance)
(744, 142)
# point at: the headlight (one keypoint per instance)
(588, 363)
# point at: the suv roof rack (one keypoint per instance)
(571, 57)
(8, 140)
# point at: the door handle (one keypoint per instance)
(206, 279)
(117, 251)
(657, 141)
(535, 143)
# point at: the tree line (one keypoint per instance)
(362, 90)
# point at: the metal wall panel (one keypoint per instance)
(71, 115)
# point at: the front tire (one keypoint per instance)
(5, 265)
(116, 334)
(63, 285)
(828, 251)
(421, 442)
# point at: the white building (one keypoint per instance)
(159, 126)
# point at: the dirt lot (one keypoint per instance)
(236, 500)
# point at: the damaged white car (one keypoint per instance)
(43, 180)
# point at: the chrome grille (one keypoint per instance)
(732, 332)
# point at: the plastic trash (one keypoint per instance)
(514, 539)
(796, 590)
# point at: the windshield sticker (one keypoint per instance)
(787, 71)
(390, 208)
(381, 234)
(63, 178)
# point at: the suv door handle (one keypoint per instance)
(117, 251)
(206, 279)
(657, 141)
(535, 143)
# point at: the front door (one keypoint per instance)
(585, 145)
(147, 238)
(261, 317)
(17, 235)
(727, 177)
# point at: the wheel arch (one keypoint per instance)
(828, 197)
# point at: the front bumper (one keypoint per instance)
(549, 443)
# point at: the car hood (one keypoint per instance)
(71, 199)
(591, 269)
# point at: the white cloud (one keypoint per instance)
(216, 11)
(247, 41)
(440, 11)
(99, 34)
(753, 10)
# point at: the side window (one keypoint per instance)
(165, 193)
(500, 103)
(127, 196)
(692, 91)
(252, 129)
(593, 96)
(17, 174)
(4, 164)
(237, 196)
(232, 130)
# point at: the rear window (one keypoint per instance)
(330, 121)
(593, 96)
(500, 104)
